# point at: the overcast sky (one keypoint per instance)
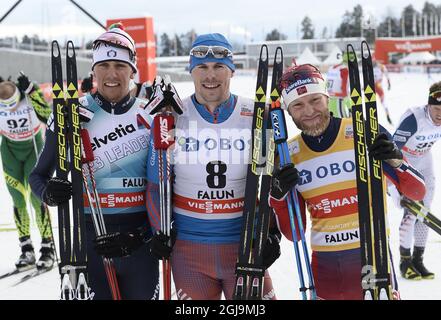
(239, 20)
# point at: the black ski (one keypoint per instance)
(73, 264)
(268, 150)
(245, 267)
(362, 174)
(375, 273)
(381, 253)
(79, 257)
(61, 168)
(419, 210)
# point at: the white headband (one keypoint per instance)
(105, 52)
(303, 88)
(11, 102)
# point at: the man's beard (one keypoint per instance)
(317, 130)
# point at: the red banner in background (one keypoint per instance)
(384, 46)
(141, 30)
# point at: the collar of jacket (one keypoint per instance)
(119, 107)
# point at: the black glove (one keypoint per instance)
(283, 180)
(1, 79)
(159, 244)
(384, 149)
(57, 191)
(163, 95)
(271, 250)
(116, 245)
(24, 84)
(87, 84)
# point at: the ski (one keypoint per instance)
(77, 269)
(79, 258)
(32, 275)
(74, 144)
(420, 211)
(61, 168)
(73, 260)
(375, 273)
(245, 268)
(381, 253)
(264, 211)
(362, 175)
(280, 134)
(16, 271)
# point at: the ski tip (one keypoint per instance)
(365, 51)
(278, 58)
(70, 49)
(368, 295)
(350, 48)
(350, 52)
(262, 48)
(55, 48)
(383, 295)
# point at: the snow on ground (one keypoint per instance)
(407, 90)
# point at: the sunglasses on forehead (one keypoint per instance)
(436, 95)
(217, 52)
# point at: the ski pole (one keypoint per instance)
(164, 124)
(280, 138)
(278, 119)
(97, 214)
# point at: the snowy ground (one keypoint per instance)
(407, 90)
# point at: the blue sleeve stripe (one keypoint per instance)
(390, 172)
(407, 128)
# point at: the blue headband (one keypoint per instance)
(212, 39)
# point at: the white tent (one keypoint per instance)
(335, 57)
(417, 58)
(307, 57)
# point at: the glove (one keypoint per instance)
(57, 191)
(146, 91)
(159, 244)
(283, 180)
(117, 245)
(271, 250)
(1, 79)
(172, 96)
(384, 149)
(164, 95)
(24, 84)
(87, 84)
